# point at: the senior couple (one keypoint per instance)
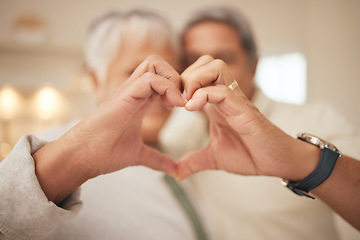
(202, 110)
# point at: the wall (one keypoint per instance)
(333, 52)
(326, 32)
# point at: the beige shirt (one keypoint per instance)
(260, 207)
(133, 203)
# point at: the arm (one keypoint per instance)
(341, 190)
(38, 174)
(25, 210)
(243, 141)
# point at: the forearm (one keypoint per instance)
(341, 190)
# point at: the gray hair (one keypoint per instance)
(105, 34)
(232, 18)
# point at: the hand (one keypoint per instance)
(111, 135)
(242, 140)
(109, 139)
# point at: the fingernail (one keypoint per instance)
(188, 103)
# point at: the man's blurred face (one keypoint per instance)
(221, 41)
(126, 61)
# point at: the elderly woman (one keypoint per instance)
(39, 181)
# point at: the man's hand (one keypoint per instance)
(242, 140)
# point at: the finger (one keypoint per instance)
(205, 59)
(159, 66)
(214, 72)
(150, 83)
(227, 105)
(212, 94)
(170, 93)
(229, 102)
(194, 162)
(152, 158)
(200, 62)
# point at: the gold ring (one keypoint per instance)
(233, 86)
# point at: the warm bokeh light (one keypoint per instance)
(5, 149)
(47, 103)
(9, 102)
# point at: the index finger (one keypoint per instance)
(202, 75)
(159, 66)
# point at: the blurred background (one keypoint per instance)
(310, 51)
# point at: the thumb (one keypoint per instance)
(194, 162)
(156, 160)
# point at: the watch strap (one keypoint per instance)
(323, 170)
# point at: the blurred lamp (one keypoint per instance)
(47, 103)
(9, 103)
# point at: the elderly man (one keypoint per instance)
(261, 208)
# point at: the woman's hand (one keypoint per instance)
(109, 139)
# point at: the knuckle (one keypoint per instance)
(153, 58)
(206, 58)
(148, 76)
(219, 63)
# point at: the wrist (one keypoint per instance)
(305, 158)
(324, 168)
(58, 170)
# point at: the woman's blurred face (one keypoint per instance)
(128, 58)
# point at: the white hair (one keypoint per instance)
(105, 35)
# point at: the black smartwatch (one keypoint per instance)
(328, 159)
